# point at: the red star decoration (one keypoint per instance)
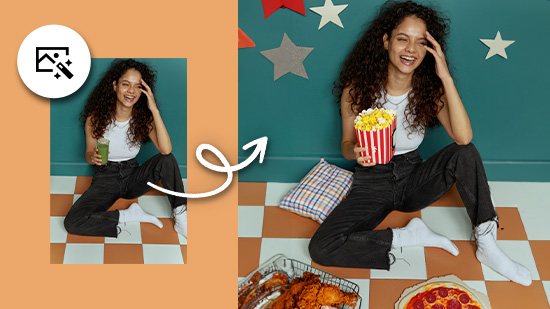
(244, 40)
(270, 6)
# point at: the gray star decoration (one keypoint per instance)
(288, 58)
(496, 46)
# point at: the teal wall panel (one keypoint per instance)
(507, 99)
(67, 140)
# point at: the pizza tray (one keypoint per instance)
(483, 299)
(294, 268)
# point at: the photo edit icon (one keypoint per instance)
(53, 61)
(48, 57)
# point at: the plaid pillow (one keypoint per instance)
(322, 189)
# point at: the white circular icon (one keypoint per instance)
(53, 61)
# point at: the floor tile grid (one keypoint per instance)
(261, 236)
(138, 243)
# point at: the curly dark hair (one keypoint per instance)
(101, 104)
(365, 70)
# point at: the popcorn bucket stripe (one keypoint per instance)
(365, 143)
(362, 141)
(387, 135)
(373, 147)
(359, 140)
(376, 146)
(387, 144)
(383, 142)
(392, 129)
(379, 147)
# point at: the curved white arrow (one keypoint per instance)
(261, 145)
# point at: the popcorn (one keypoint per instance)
(374, 129)
(374, 119)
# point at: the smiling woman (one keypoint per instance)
(128, 88)
(406, 45)
(122, 109)
(399, 63)
(105, 100)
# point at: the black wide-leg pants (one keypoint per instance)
(347, 237)
(127, 179)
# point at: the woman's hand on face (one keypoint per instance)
(361, 160)
(150, 97)
(440, 64)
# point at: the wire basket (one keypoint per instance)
(293, 268)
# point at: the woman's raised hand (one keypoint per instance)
(150, 97)
(440, 64)
(361, 160)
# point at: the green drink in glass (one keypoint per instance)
(103, 149)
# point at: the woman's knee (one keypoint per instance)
(315, 253)
(316, 250)
(467, 147)
(468, 151)
(75, 220)
(70, 225)
(167, 158)
(161, 157)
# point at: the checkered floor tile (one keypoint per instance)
(138, 243)
(524, 208)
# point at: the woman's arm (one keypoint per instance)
(91, 154)
(349, 147)
(158, 135)
(452, 113)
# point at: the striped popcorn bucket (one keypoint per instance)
(379, 144)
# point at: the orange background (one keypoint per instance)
(205, 33)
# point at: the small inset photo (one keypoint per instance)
(124, 128)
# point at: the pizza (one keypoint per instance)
(441, 296)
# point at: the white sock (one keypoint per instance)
(135, 213)
(491, 255)
(180, 218)
(417, 233)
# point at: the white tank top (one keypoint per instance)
(404, 140)
(119, 145)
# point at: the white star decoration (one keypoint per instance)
(329, 12)
(496, 46)
(288, 58)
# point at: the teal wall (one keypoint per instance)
(301, 119)
(67, 140)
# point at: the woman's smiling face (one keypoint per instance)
(128, 88)
(406, 45)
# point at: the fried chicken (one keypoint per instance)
(331, 295)
(254, 293)
(308, 292)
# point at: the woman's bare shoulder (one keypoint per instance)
(348, 107)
